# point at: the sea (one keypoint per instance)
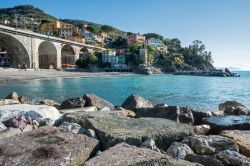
(198, 92)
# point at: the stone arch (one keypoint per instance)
(67, 55)
(47, 55)
(16, 51)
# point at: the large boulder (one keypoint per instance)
(229, 104)
(9, 132)
(36, 112)
(12, 95)
(204, 160)
(237, 111)
(81, 117)
(93, 100)
(232, 122)
(179, 150)
(2, 126)
(242, 138)
(46, 146)
(169, 112)
(8, 102)
(199, 115)
(183, 115)
(17, 122)
(202, 129)
(113, 130)
(233, 158)
(73, 103)
(124, 154)
(135, 102)
(210, 145)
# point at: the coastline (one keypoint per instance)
(13, 76)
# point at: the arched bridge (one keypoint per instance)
(35, 50)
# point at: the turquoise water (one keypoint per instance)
(198, 92)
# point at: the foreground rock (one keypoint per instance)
(233, 158)
(242, 138)
(231, 122)
(204, 160)
(135, 102)
(237, 111)
(124, 155)
(210, 145)
(46, 146)
(199, 115)
(93, 100)
(82, 117)
(179, 150)
(8, 102)
(2, 126)
(36, 112)
(73, 103)
(113, 129)
(202, 129)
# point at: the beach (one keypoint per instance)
(16, 75)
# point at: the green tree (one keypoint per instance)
(154, 35)
(92, 59)
(120, 43)
(92, 29)
(107, 29)
(150, 53)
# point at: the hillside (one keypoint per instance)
(25, 11)
(30, 11)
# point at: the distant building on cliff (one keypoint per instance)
(135, 38)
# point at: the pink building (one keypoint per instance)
(136, 38)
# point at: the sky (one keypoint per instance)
(222, 25)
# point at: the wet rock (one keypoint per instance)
(113, 129)
(2, 127)
(233, 158)
(17, 122)
(229, 104)
(49, 103)
(204, 160)
(186, 116)
(73, 127)
(24, 100)
(236, 111)
(91, 133)
(135, 102)
(179, 150)
(46, 146)
(73, 103)
(124, 154)
(93, 100)
(12, 95)
(202, 129)
(242, 138)
(199, 115)
(209, 145)
(9, 132)
(8, 102)
(232, 122)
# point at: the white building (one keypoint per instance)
(66, 33)
(154, 42)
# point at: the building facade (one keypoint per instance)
(135, 38)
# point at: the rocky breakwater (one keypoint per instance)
(89, 130)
